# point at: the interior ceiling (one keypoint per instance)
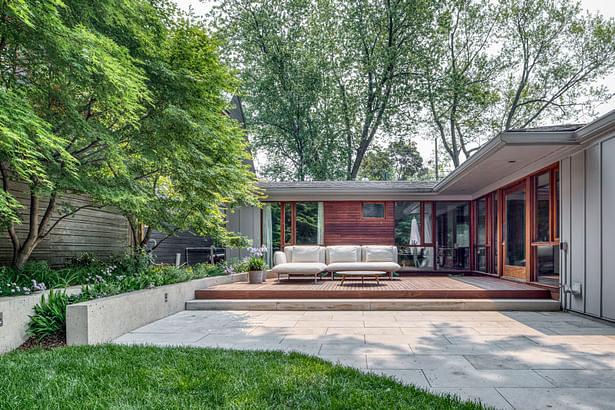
(497, 166)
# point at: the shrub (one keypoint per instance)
(256, 264)
(50, 315)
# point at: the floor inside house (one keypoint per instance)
(508, 360)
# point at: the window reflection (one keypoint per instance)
(408, 223)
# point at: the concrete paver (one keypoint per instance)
(508, 360)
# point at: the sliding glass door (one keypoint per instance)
(291, 223)
(453, 235)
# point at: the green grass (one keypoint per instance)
(150, 377)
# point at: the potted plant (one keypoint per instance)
(256, 265)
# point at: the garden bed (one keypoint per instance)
(16, 311)
(104, 319)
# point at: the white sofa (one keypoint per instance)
(314, 260)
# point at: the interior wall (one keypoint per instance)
(587, 197)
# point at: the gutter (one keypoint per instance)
(596, 128)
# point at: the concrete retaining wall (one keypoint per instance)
(102, 320)
(15, 312)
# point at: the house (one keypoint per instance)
(530, 206)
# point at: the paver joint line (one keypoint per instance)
(504, 359)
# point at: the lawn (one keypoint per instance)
(150, 377)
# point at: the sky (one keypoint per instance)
(426, 147)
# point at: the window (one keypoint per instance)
(514, 228)
(306, 223)
(542, 193)
(408, 223)
(288, 223)
(556, 183)
(427, 222)
(292, 223)
(373, 210)
(545, 219)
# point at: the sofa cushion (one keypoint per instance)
(289, 251)
(309, 254)
(343, 254)
(309, 268)
(378, 254)
(363, 266)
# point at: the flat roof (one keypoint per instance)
(509, 153)
(337, 186)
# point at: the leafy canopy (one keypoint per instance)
(120, 101)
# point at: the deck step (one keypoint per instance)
(376, 304)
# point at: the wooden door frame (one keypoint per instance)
(517, 272)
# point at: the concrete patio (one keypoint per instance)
(520, 360)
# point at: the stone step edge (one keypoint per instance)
(376, 304)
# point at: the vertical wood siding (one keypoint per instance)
(345, 225)
(97, 231)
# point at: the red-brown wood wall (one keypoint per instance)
(345, 225)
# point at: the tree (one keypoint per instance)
(399, 161)
(557, 52)
(512, 65)
(324, 77)
(459, 82)
(288, 95)
(121, 102)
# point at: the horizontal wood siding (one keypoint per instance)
(345, 225)
(165, 252)
(99, 231)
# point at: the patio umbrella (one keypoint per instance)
(415, 239)
(415, 235)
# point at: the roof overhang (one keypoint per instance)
(505, 158)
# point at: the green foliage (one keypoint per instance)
(323, 78)
(256, 263)
(50, 315)
(399, 161)
(132, 95)
(182, 377)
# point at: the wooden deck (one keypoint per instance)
(416, 287)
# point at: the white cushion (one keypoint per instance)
(363, 266)
(304, 254)
(378, 254)
(289, 251)
(279, 257)
(343, 254)
(309, 268)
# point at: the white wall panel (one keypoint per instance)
(577, 232)
(608, 229)
(565, 224)
(592, 231)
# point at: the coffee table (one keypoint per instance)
(362, 274)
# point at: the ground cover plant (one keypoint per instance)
(101, 276)
(151, 377)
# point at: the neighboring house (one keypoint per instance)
(531, 205)
(98, 231)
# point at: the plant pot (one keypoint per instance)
(255, 276)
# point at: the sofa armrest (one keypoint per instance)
(279, 258)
